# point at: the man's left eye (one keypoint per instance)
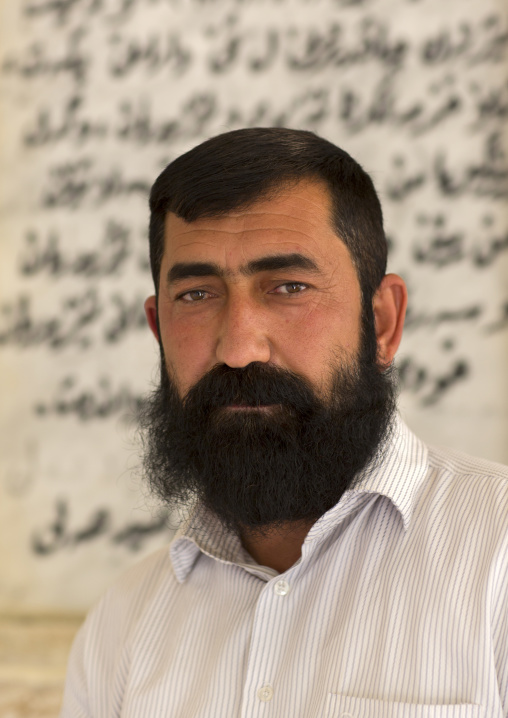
(290, 288)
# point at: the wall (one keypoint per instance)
(97, 96)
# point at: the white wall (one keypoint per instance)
(96, 97)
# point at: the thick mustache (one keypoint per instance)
(254, 385)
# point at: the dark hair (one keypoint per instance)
(238, 168)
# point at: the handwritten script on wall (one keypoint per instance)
(97, 97)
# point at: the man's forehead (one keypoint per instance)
(297, 219)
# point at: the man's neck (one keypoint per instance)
(278, 549)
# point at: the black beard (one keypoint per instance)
(258, 470)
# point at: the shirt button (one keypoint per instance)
(265, 693)
(281, 588)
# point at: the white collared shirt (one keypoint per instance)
(398, 608)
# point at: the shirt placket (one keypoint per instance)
(263, 693)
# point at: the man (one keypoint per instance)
(329, 564)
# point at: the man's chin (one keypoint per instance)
(258, 464)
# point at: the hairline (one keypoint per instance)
(268, 193)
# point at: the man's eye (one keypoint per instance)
(291, 288)
(195, 295)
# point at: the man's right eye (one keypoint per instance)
(195, 295)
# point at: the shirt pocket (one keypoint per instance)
(340, 706)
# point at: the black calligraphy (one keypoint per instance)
(59, 535)
(101, 401)
(132, 94)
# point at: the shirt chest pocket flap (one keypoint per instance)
(339, 706)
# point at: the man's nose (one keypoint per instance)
(243, 336)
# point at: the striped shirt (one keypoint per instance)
(397, 608)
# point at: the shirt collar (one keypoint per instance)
(396, 473)
(202, 533)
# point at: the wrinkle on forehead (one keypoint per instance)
(262, 240)
(307, 201)
(209, 234)
(296, 220)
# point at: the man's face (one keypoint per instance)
(271, 399)
(271, 284)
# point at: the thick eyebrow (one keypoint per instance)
(280, 261)
(273, 262)
(186, 270)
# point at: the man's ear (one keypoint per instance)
(151, 315)
(389, 305)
